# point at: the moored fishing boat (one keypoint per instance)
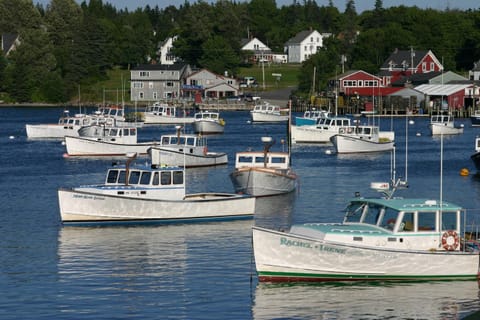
(381, 238)
(163, 113)
(267, 112)
(107, 141)
(310, 117)
(263, 173)
(444, 124)
(476, 156)
(321, 132)
(475, 118)
(361, 139)
(142, 193)
(208, 122)
(187, 150)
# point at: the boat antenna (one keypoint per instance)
(289, 132)
(268, 142)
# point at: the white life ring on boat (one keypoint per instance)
(350, 130)
(205, 150)
(450, 240)
(341, 130)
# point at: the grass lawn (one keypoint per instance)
(289, 75)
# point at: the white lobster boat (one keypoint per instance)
(263, 173)
(208, 122)
(267, 112)
(187, 150)
(163, 113)
(392, 239)
(444, 124)
(321, 132)
(107, 141)
(362, 139)
(141, 193)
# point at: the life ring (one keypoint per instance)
(350, 130)
(341, 130)
(450, 240)
(205, 150)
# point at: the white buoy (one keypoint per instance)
(418, 134)
(248, 121)
(63, 142)
(11, 137)
(328, 151)
(411, 122)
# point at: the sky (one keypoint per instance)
(361, 5)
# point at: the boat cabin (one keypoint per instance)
(110, 134)
(156, 182)
(267, 108)
(207, 115)
(418, 223)
(274, 160)
(182, 140)
(441, 119)
(161, 109)
(325, 123)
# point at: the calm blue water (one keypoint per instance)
(205, 271)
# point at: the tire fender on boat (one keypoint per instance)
(450, 240)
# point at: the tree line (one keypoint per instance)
(65, 44)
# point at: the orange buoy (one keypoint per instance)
(464, 172)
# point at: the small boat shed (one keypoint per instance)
(404, 101)
(444, 97)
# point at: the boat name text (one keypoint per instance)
(295, 243)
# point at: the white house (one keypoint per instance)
(254, 45)
(474, 74)
(165, 51)
(303, 45)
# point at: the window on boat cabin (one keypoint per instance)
(134, 177)
(113, 132)
(389, 218)
(166, 178)
(133, 131)
(245, 159)
(449, 220)
(112, 176)
(145, 178)
(354, 212)
(121, 176)
(177, 177)
(278, 160)
(191, 141)
(426, 221)
(165, 140)
(156, 179)
(259, 159)
(408, 222)
(77, 122)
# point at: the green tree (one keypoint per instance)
(218, 56)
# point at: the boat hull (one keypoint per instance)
(78, 146)
(266, 117)
(53, 131)
(88, 207)
(284, 257)
(312, 134)
(192, 157)
(476, 160)
(207, 127)
(262, 182)
(351, 144)
(438, 129)
(159, 119)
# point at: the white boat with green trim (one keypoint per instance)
(386, 239)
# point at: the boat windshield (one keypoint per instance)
(361, 212)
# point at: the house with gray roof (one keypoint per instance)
(153, 82)
(303, 45)
(8, 43)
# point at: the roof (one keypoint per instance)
(299, 37)
(409, 204)
(175, 66)
(374, 91)
(416, 78)
(441, 89)
(398, 57)
(8, 40)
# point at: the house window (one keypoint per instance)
(424, 66)
(169, 84)
(305, 48)
(138, 85)
(155, 95)
(141, 95)
(144, 73)
(432, 66)
(311, 39)
(360, 83)
(318, 39)
(150, 85)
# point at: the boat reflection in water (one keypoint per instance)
(419, 300)
(275, 211)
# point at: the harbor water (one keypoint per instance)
(206, 270)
